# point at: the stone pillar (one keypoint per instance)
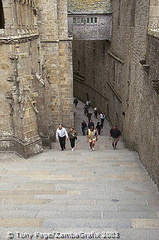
(56, 64)
(65, 62)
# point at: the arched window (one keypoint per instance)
(1, 16)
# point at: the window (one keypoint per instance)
(119, 12)
(92, 20)
(78, 65)
(1, 16)
(84, 20)
(78, 20)
(132, 19)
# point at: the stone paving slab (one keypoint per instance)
(17, 214)
(130, 214)
(87, 223)
(19, 222)
(145, 223)
(71, 214)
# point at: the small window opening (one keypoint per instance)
(82, 20)
(78, 65)
(1, 16)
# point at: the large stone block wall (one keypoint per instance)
(139, 100)
(36, 74)
(91, 74)
(56, 54)
(140, 103)
(127, 79)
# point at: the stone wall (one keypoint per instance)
(125, 82)
(36, 74)
(56, 57)
(89, 20)
(91, 67)
(18, 40)
(139, 100)
(90, 27)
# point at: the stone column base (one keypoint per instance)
(23, 148)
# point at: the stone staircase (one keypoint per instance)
(106, 192)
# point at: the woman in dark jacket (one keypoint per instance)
(72, 137)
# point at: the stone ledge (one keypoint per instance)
(18, 39)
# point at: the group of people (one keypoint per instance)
(90, 131)
(62, 135)
(91, 135)
(84, 127)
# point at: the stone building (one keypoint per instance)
(121, 76)
(89, 20)
(36, 73)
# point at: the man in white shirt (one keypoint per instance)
(102, 117)
(61, 135)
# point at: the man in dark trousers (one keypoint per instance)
(102, 117)
(115, 135)
(84, 127)
(61, 135)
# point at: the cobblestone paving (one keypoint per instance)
(106, 192)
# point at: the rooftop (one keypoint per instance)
(89, 6)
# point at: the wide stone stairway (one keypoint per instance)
(101, 194)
